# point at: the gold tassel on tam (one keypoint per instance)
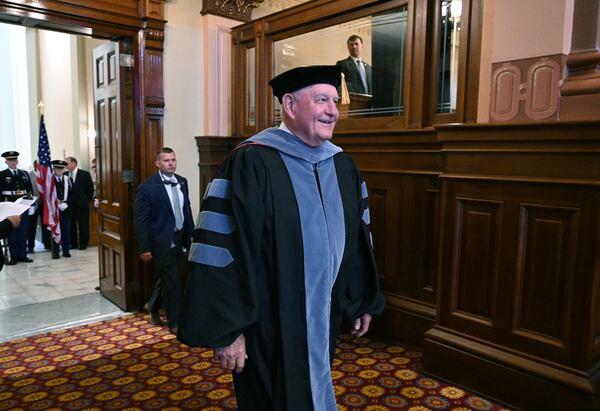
(345, 97)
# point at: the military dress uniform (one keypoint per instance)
(14, 184)
(64, 188)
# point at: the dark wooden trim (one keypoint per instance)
(419, 89)
(469, 64)
(583, 75)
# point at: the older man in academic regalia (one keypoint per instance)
(282, 252)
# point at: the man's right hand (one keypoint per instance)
(233, 356)
(15, 220)
(145, 257)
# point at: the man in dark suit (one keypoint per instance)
(81, 194)
(14, 184)
(164, 226)
(6, 226)
(357, 73)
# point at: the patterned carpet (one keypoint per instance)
(129, 364)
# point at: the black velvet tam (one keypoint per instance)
(300, 77)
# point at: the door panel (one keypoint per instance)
(111, 191)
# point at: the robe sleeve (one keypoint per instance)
(220, 298)
(363, 292)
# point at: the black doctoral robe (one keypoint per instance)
(251, 281)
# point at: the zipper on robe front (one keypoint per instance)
(318, 184)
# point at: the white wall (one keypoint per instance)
(183, 74)
(57, 91)
(525, 29)
(15, 128)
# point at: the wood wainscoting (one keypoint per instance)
(487, 239)
(518, 307)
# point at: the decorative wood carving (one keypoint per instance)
(233, 9)
(543, 82)
(505, 92)
(533, 98)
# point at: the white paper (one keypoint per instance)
(8, 208)
(25, 201)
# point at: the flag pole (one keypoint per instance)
(41, 107)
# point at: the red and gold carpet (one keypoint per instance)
(128, 364)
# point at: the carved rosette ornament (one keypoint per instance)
(233, 9)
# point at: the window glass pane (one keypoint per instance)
(448, 58)
(375, 83)
(251, 86)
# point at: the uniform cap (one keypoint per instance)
(58, 163)
(10, 155)
(300, 77)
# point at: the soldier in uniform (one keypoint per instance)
(64, 187)
(14, 184)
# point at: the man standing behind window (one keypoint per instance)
(357, 73)
(163, 227)
(81, 196)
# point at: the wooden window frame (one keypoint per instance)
(420, 83)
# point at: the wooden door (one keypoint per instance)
(110, 120)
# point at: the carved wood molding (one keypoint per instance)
(233, 9)
(152, 9)
(583, 73)
(526, 89)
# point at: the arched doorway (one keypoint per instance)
(129, 118)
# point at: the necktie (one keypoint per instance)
(363, 75)
(177, 208)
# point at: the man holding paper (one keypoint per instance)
(15, 184)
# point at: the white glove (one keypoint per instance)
(62, 206)
(31, 210)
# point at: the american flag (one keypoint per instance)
(45, 183)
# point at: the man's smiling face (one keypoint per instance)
(315, 113)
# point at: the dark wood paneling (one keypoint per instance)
(518, 266)
(487, 239)
(545, 263)
(475, 260)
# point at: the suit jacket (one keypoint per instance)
(5, 228)
(83, 189)
(352, 76)
(154, 219)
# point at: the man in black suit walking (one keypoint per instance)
(81, 196)
(357, 73)
(164, 226)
